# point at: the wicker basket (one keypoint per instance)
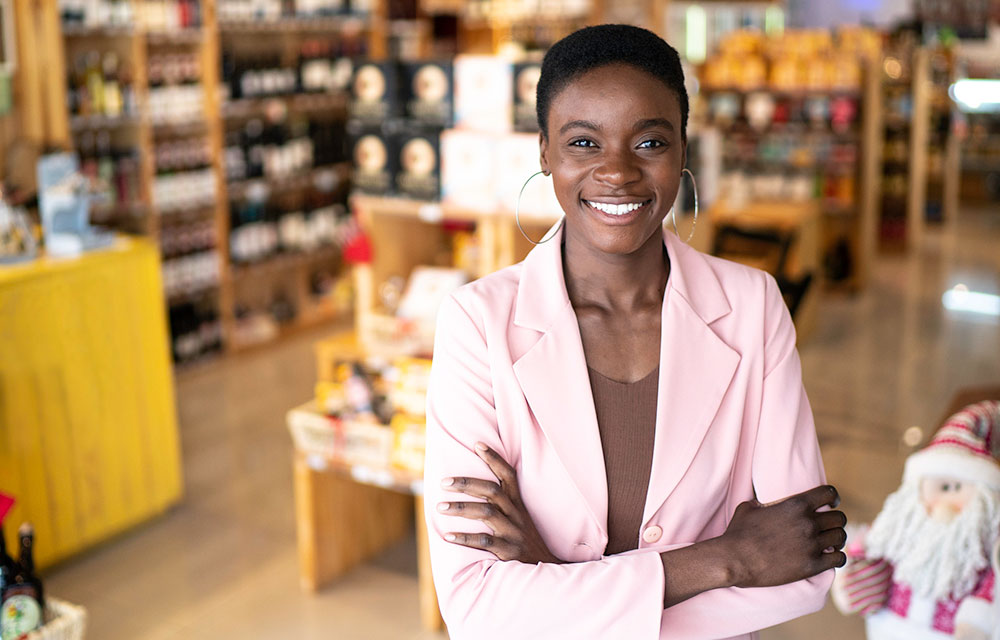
(63, 621)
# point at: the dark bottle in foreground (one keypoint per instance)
(22, 600)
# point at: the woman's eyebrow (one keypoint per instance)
(583, 124)
(650, 123)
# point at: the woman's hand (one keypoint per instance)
(514, 534)
(785, 541)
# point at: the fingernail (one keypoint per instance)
(447, 482)
(481, 447)
(442, 506)
(450, 537)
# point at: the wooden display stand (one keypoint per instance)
(801, 221)
(346, 515)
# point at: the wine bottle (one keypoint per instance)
(23, 599)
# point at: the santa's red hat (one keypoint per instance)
(966, 447)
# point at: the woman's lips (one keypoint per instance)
(618, 213)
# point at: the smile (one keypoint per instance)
(617, 209)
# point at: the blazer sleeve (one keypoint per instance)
(480, 596)
(786, 461)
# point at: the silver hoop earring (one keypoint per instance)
(673, 214)
(517, 211)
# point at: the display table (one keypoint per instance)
(347, 513)
(799, 221)
(88, 426)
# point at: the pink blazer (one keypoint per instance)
(732, 422)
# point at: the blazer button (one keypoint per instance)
(652, 534)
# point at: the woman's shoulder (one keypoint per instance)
(490, 296)
(738, 282)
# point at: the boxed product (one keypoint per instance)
(483, 93)
(367, 443)
(375, 92)
(468, 170)
(428, 92)
(517, 159)
(408, 392)
(408, 442)
(526, 75)
(374, 157)
(418, 166)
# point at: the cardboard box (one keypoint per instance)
(374, 157)
(468, 170)
(428, 93)
(418, 165)
(525, 88)
(483, 93)
(375, 93)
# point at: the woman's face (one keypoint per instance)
(615, 152)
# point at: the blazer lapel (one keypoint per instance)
(553, 375)
(696, 369)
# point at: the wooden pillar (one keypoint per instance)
(40, 81)
(430, 613)
(870, 182)
(919, 133)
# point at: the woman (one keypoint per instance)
(605, 419)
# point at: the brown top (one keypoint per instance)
(626, 419)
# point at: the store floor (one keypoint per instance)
(223, 564)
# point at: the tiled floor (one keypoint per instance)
(222, 565)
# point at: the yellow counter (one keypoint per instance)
(88, 425)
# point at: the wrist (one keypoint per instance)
(726, 563)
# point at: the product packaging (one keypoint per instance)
(525, 87)
(483, 93)
(428, 93)
(468, 170)
(375, 93)
(418, 167)
(374, 156)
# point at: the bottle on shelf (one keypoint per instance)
(23, 597)
(94, 82)
(112, 88)
(8, 568)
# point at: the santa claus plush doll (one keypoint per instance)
(923, 570)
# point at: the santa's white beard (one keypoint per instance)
(937, 560)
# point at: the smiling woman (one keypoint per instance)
(616, 426)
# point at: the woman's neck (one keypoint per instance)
(615, 282)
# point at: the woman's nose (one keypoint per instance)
(617, 169)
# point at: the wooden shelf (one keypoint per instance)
(335, 103)
(193, 126)
(98, 122)
(282, 262)
(84, 31)
(192, 35)
(294, 24)
(238, 188)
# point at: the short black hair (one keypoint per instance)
(601, 45)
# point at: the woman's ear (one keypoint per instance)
(684, 153)
(543, 146)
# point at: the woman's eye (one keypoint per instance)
(651, 144)
(582, 142)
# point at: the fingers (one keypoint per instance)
(832, 560)
(822, 496)
(832, 539)
(499, 547)
(503, 471)
(827, 520)
(484, 511)
(476, 488)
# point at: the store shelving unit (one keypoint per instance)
(134, 44)
(836, 170)
(921, 165)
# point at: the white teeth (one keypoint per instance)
(616, 209)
